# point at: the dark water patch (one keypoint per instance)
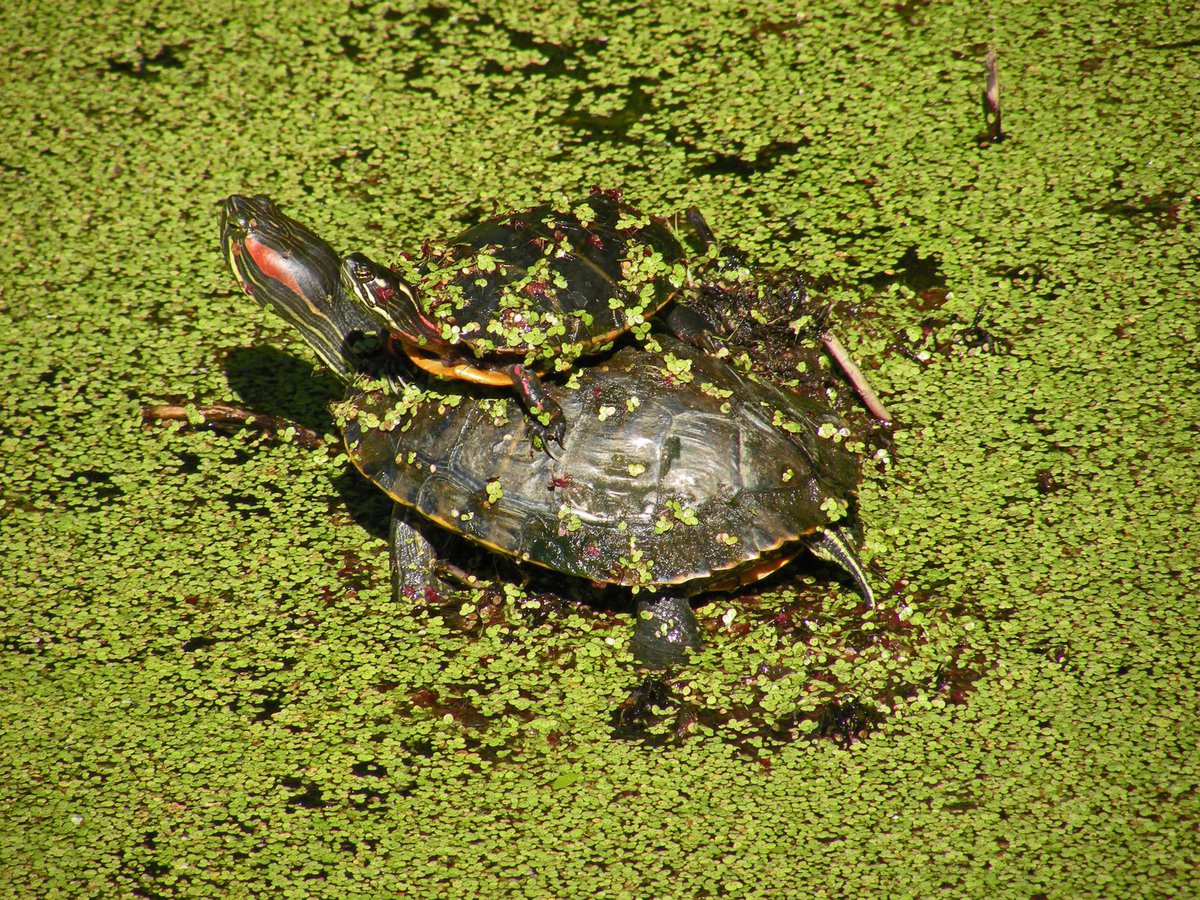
(191, 645)
(50, 376)
(267, 708)
(147, 67)
(89, 490)
(245, 505)
(1176, 45)
(916, 272)
(742, 165)
(609, 127)
(1164, 209)
(436, 28)
(189, 463)
(912, 12)
(349, 47)
(776, 28)
(359, 154)
(309, 796)
(282, 385)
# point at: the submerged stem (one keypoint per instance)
(857, 378)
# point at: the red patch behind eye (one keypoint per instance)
(272, 264)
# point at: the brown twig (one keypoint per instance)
(231, 418)
(992, 132)
(857, 378)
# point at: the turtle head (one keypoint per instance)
(285, 266)
(387, 298)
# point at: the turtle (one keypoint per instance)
(680, 475)
(530, 291)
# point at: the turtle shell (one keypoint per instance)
(675, 470)
(549, 284)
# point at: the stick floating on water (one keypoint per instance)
(857, 378)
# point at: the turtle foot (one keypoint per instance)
(666, 629)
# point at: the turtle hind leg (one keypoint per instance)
(837, 545)
(665, 630)
(700, 226)
(728, 258)
(546, 416)
(684, 321)
(691, 326)
(413, 560)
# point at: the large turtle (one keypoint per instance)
(679, 474)
(528, 291)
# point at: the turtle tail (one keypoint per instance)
(837, 545)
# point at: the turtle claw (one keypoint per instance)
(555, 432)
(545, 416)
(543, 436)
(548, 446)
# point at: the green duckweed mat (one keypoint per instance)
(207, 689)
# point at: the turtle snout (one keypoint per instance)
(242, 213)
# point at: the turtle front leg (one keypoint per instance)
(413, 559)
(665, 630)
(546, 415)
